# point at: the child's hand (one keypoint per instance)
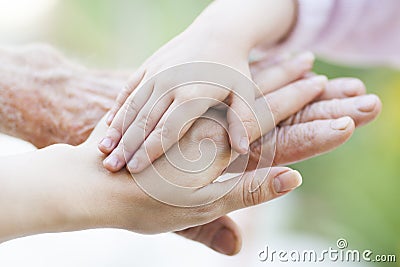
(152, 120)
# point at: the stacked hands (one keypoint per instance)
(309, 116)
(177, 134)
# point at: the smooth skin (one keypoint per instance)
(144, 123)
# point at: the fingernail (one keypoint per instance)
(111, 161)
(366, 103)
(224, 241)
(341, 124)
(106, 142)
(304, 60)
(133, 165)
(352, 87)
(287, 181)
(244, 144)
(109, 117)
(320, 80)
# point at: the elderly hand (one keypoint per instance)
(314, 122)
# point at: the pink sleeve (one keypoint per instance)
(350, 31)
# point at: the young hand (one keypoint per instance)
(151, 124)
(149, 121)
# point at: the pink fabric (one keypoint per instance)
(351, 31)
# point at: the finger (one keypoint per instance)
(287, 101)
(297, 143)
(242, 124)
(222, 235)
(254, 188)
(272, 78)
(125, 116)
(133, 82)
(343, 88)
(362, 109)
(137, 132)
(176, 121)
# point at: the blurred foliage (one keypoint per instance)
(350, 193)
(353, 192)
(120, 33)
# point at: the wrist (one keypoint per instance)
(246, 24)
(36, 196)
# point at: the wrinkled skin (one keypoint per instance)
(57, 101)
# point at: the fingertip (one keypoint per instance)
(226, 242)
(353, 87)
(110, 118)
(343, 124)
(367, 103)
(305, 60)
(287, 181)
(133, 165)
(321, 81)
(240, 144)
(113, 163)
(106, 145)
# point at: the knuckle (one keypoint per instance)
(275, 110)
(130, 107)
(308, 136)
(250, 124)
(292, 143)
(299, 137)
(205, 213)
(123, 95)
(142, 121)
(301, 116)
(124, 150)
(282, 142)
(255, 150)
(163, 132)
(332, 110)
(208, 129)
(251, 197)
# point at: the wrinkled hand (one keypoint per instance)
(318, 128)
(46, 99)
(65, 119)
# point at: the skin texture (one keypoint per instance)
(316, 136)
(37, 79)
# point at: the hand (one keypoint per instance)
(317, 121)
(87, 185)
(151, 119)
(217, 35)
(283, 72)
(220, 233)
(46, 99)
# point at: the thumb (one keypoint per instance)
(255, 187)
(222, 235)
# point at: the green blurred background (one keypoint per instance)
(351, 193)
